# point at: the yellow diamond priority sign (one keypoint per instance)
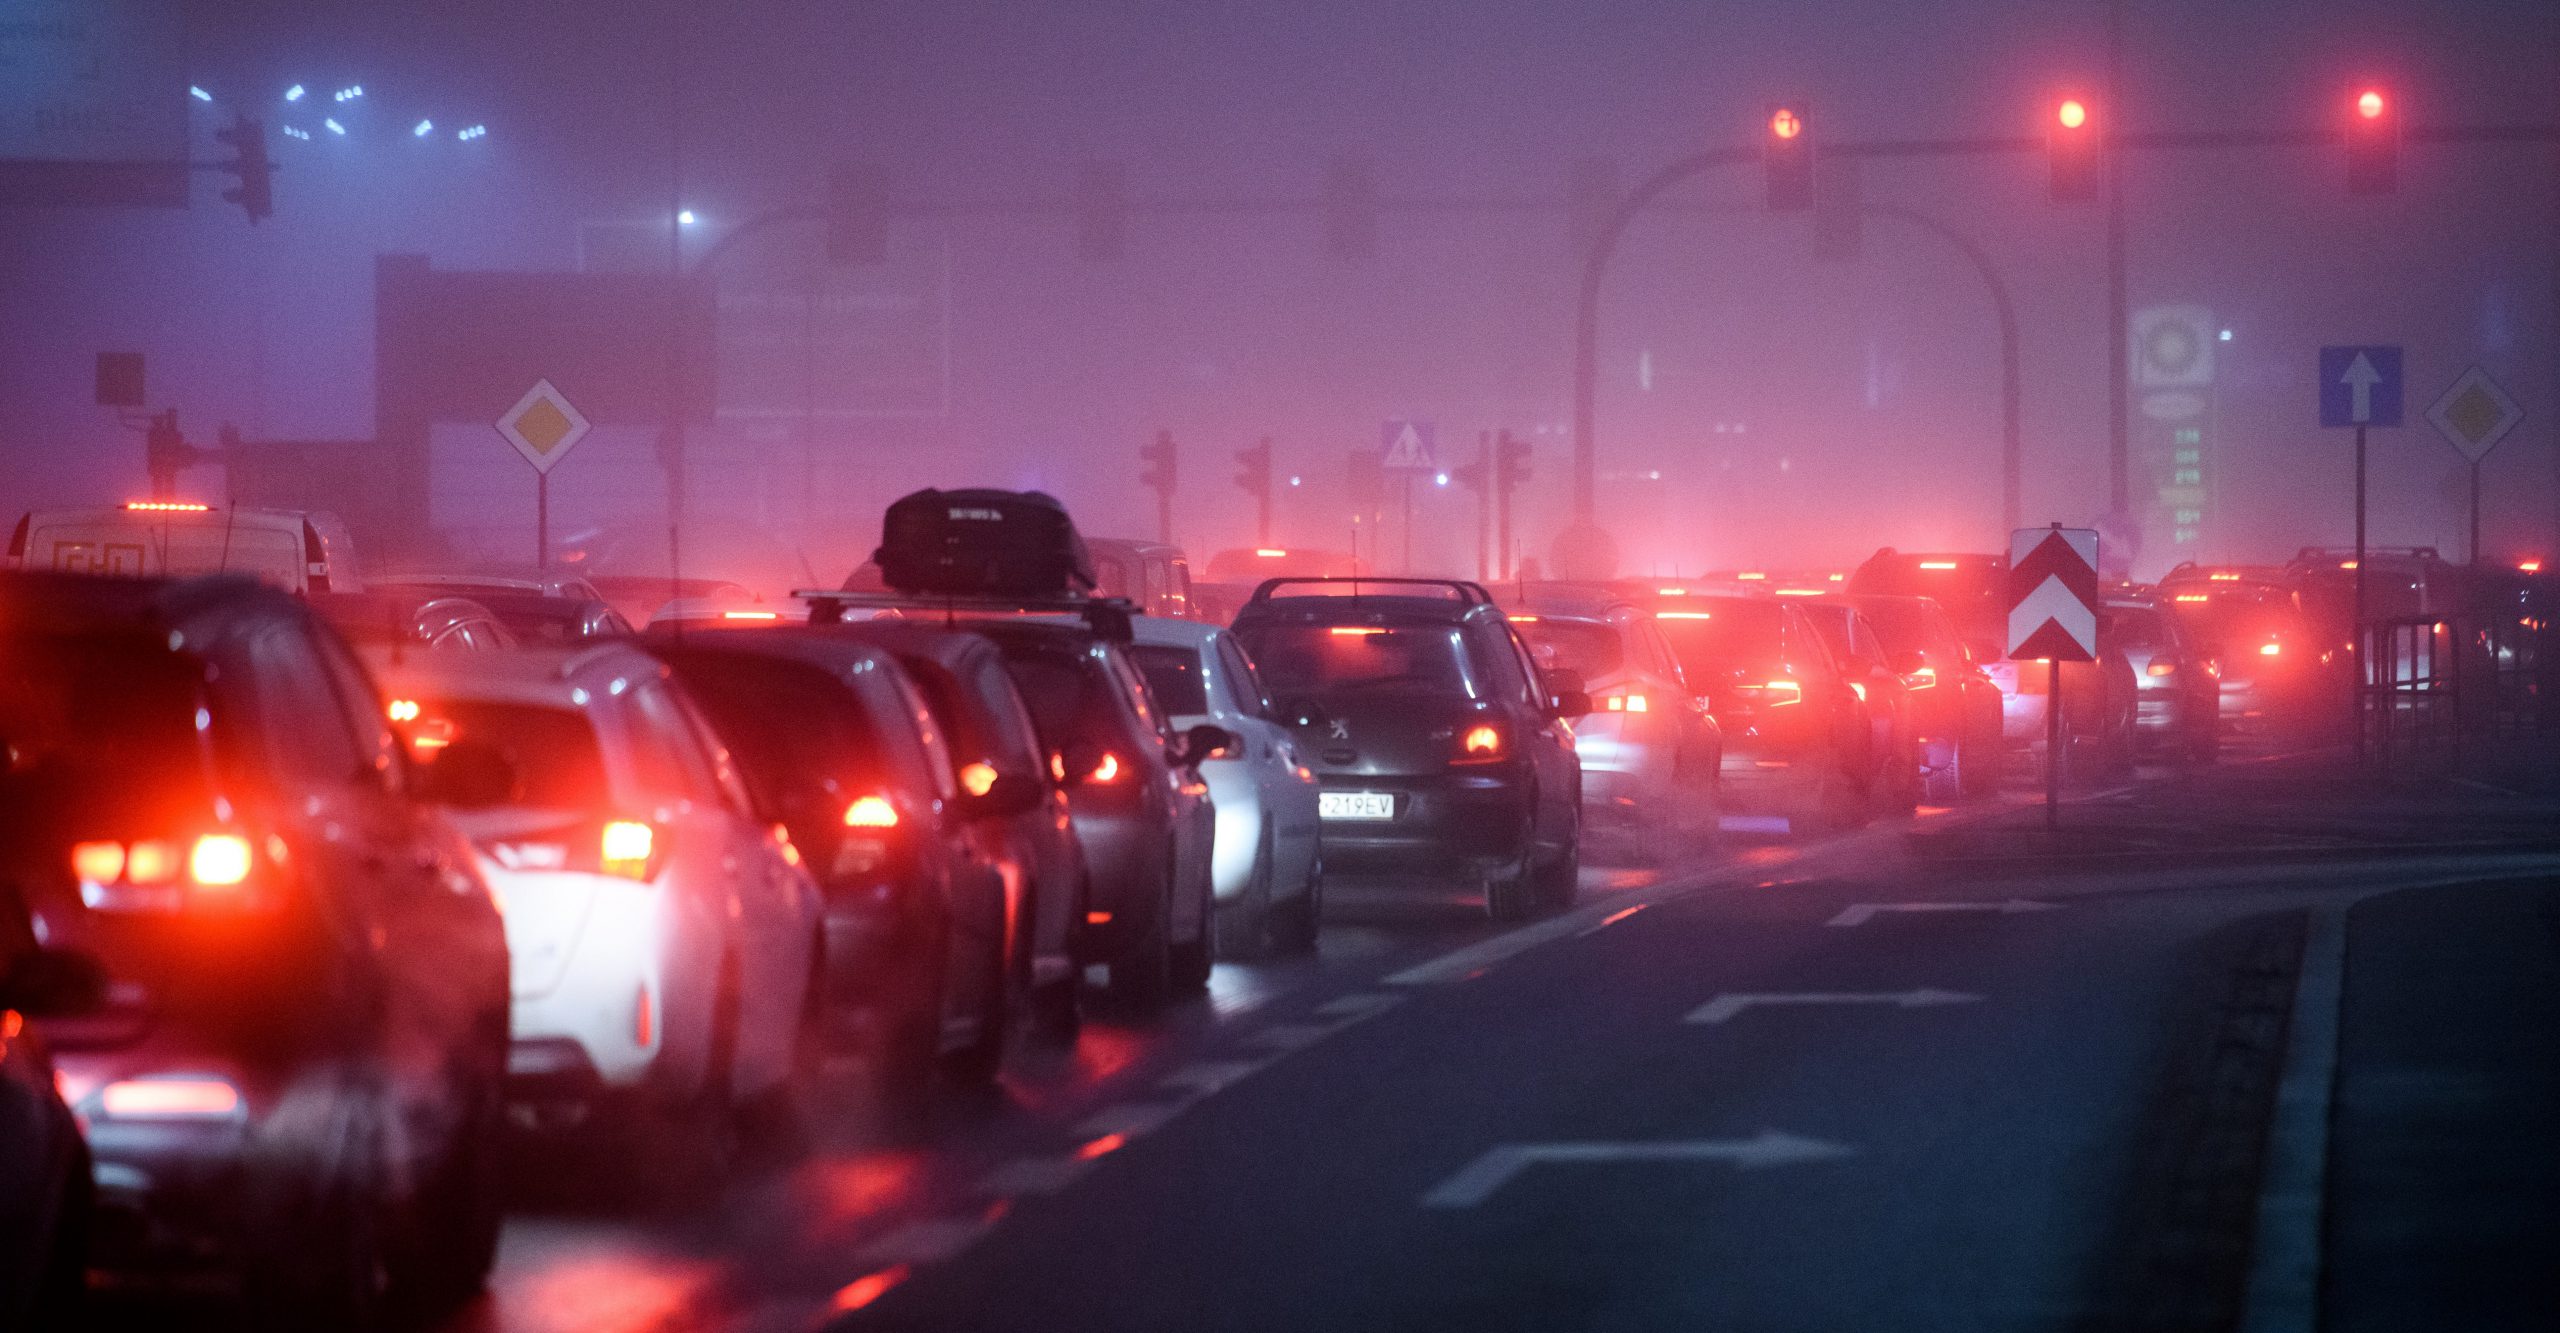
(543, 426)
(2475, 414)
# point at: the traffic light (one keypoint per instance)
(247, 140)
(858, 215)
(1159, 473)
(1786, 154)
(2071, 152)
(2373, 144)
(1102, 212)
(1253, 469)
(1351, 209)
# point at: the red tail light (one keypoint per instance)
(153, 874)
(1483, 743)
(1775, 693)
(871, 812)
(1921, 679)
(170, 1098)
(1628, 702)
(1107, 771)
(627, 848)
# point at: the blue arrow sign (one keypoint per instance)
(2360, 386)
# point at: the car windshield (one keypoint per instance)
(1590, 648)
(1173, 677)
(105, 725)
(557, 761)
(1320, 659)
(1722, 636)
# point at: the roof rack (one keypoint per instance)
(1468, 592)
(1108, 617)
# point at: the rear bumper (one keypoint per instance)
(1478, 817)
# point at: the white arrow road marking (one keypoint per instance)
(1725, 1008)
(2360, 379)
(1477, 1181)
(1859, 914)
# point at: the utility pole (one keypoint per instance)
(1159, 476)
(1510, 468)
(2119, 353)
(1478, 477)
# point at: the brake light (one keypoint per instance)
(625, 848)
(1780, 692)
(1270, 552)
(2270, 649)
(98, 862)
(1522, 620)
(872, 812)
(1750, 576)
(2163, 668)
(220, 860)
(169, 1098)
(150, 862)
(1481, 744)
(2346, 564)
(1626, 703)
(1106, 771)
(2193, 597)
(2529, 566)
(1921, 678)
(1672, 592)
(2226, 578)
(1355, 631)
(1684, 615)
(751, 615)
(978, 778)
(401, 710)
(1937, 564)
(1800, 592)
(166, 507)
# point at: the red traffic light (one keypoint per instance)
(1785, 123)
(2373, 144)
(2370, 105)
(2072, 113)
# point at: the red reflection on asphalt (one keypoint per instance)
(1108, 1143)
(1104, 1051)
(1621, 914)
(853, 1188)
(868, 1288)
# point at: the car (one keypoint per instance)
(304, 551)
(295, 1081)
(638, 597)
(924, 896)
(1140, 809)
(537, 608)
(992, 738)
(1799, 744)
(1955, 704)
(2177, 686)
(1154, 577)
(1267, 869)
(382, 618)
(1437, 744)
(1891, 714)
(45, 1184)
(2278, 669)
(499, 581)
(664, 938)
(1652, 756)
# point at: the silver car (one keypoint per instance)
(1266, 866)
(1651, 754)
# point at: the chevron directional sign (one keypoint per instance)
(2053, 594)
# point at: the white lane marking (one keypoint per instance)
(2284, 1262)
(1463, 963)
(1289, 1036)
(1128, 1119)
(1206, 1077)
(1477, 1181)
(1612, 919)
(1725, 1008)
(929, 1241)
(1859, 914)
(1035, 1175)
(1353, 1008)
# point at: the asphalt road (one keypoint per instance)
(1948, 1073)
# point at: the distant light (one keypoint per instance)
(292, 133)
(198, 93)
(475, 132)
(1653, 476)
(1294, 481)
(2226, 335)
(685, 218)
(1440, 479)
(2529, 566)
(1785, 123)
(294, 93)
(350, 94)
(2071, 113)
(334, 127)
(2369, 105)
(425, 128)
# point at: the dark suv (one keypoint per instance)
(1799, 743)
(1437, 744)
(296, 1076)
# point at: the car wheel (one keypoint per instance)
(1982, 765)
(1559, 878)
(1295, 923)
(785, 1119)
(1510, 891)
(329, 1268)
(459, 1213)
(1191, 960)
(1142, 973)
(974, 1066)
(1244, 924)
(1057, 1013)
(1942, 771)
(1896, 785)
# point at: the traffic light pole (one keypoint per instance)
(2005, 313)
(1484, 505)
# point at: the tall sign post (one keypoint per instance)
(1408, 449)
(2053, 619)
(2359, 387)
(543, 426)
(2473, 416)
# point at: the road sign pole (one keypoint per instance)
(1484, 507)
(1408, 523)
(2355, 637)
(542, 520)
(2475, 513)
(2053, 745)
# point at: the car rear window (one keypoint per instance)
(792, 730)
(2223, 618)
(558, 763)
(1173, 677)
(1318, 659)
(1725, 636)
(1589, 648)
(1067, 696)
(102, 727)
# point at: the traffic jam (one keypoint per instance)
(335, 892)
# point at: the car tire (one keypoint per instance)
(1943, 775)
(784, 1121)
(1557, 880)
(1057, 1007)
(1190, 962)
(1982, 765)
(459, 1214)
(1244, 924)
(1896, 785)
(974, 1066)
(1509, 891)
(1142, 973)
(1296, 922)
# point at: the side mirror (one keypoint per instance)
(470, 774)
(1013, 794)
(1905, 662)
(1557, 681)
(1571, 704)
(54, 983)
(1204, 742)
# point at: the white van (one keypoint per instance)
(298, 551)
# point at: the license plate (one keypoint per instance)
(1356, 805)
